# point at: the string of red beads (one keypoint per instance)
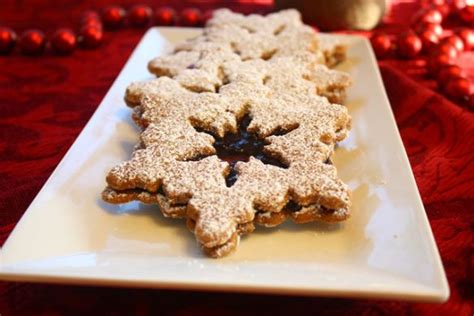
(90, 32)
(440, 48)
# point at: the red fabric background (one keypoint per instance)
(46, 101)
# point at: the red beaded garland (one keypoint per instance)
(409, 45)
(63, 41)
(467, 36)
(190, 17)
(113, 16)
(381, 44)
(458, 88)
(429, 39)
(32, 42)
(90, 36)
(7, 40)
(139, 15)
(165, 16)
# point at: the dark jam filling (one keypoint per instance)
(240, 146)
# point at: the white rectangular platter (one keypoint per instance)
(385, 250)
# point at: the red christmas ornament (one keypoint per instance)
(32, 42)
(467, 14)
(190, 17)
(435, 28)
(90, 36)
(446, 48)
(113, 16)
(64, 41)
(455, 41)
(437, 61)
(429, 39)
(409, 45)
(467, 36)
(7, 40)
(165, 16)
(458, 88)
(381, 44)
(139, 15)
(431, 16)
(446, 73)
(458, 5)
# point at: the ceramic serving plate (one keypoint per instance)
(385, 250)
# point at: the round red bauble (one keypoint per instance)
(456, 41)
(446, 73)
(467, 14)
(431, 16)
(190, 17)
(90, 36)
(458, 88)
(7, 40)
(457, 5)
(381, 44)
(165, 16)
(32, 42)
(429, 39)
(113, 16)
(435, 28)
(409, 45)
(467, 36)
(447, 48)
(139, 15)
(90, 18)
(437, 61)
(64, 41)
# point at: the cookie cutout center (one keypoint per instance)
(240, 146)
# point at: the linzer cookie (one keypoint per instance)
(255, 36)
(179, 161)
(233, 136)
(230, 36)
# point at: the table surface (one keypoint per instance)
(46, 101)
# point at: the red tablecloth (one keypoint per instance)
(46, 101)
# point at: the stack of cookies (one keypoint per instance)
(238, 128)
